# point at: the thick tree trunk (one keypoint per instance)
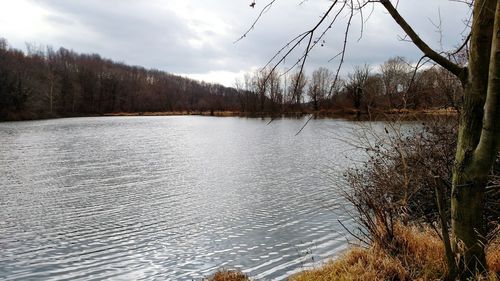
(477, 141)
(467, 222)
(479, 130)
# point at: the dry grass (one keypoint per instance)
(357, 264)
(229, 275)
(421, 257)
(493, 256)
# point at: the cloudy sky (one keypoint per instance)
(196, 38)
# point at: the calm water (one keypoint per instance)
(169, 198)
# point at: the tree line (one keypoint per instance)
(394, 85)
(42, 83)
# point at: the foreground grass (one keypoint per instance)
(420, 257)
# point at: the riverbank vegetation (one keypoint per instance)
(45, 83)
(402, 194)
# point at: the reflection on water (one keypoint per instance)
(171, 198)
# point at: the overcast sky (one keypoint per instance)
(196, 38)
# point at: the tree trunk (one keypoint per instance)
(479, 130)
(477, 141)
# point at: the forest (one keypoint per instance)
(45, 83)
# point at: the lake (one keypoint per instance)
(171, 198)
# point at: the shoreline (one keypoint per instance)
(321, 113)
(348, 114)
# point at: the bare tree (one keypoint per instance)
(450, 88)
(396, 77)
(356, 84)
(373, 92)
(275, 91)
(319, 86)
(240, 88)
(297, 85)
(51, 78)
(259, 86)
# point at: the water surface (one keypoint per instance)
(169, 198)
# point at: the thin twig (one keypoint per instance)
(263, 11)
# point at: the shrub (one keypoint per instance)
(407, 174)
(403, 171)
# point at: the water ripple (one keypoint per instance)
(170, 198)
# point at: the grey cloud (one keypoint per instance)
(154, 35)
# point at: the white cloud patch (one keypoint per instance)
(227, 78)
(21, 21)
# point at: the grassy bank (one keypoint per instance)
(420, 257)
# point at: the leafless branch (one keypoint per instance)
(305, 124)
(299, 38)
(464, 44)
(468, 3)
(439, 28)
(414, 74)
(263, 11)
(439, 59)
(344, 45)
